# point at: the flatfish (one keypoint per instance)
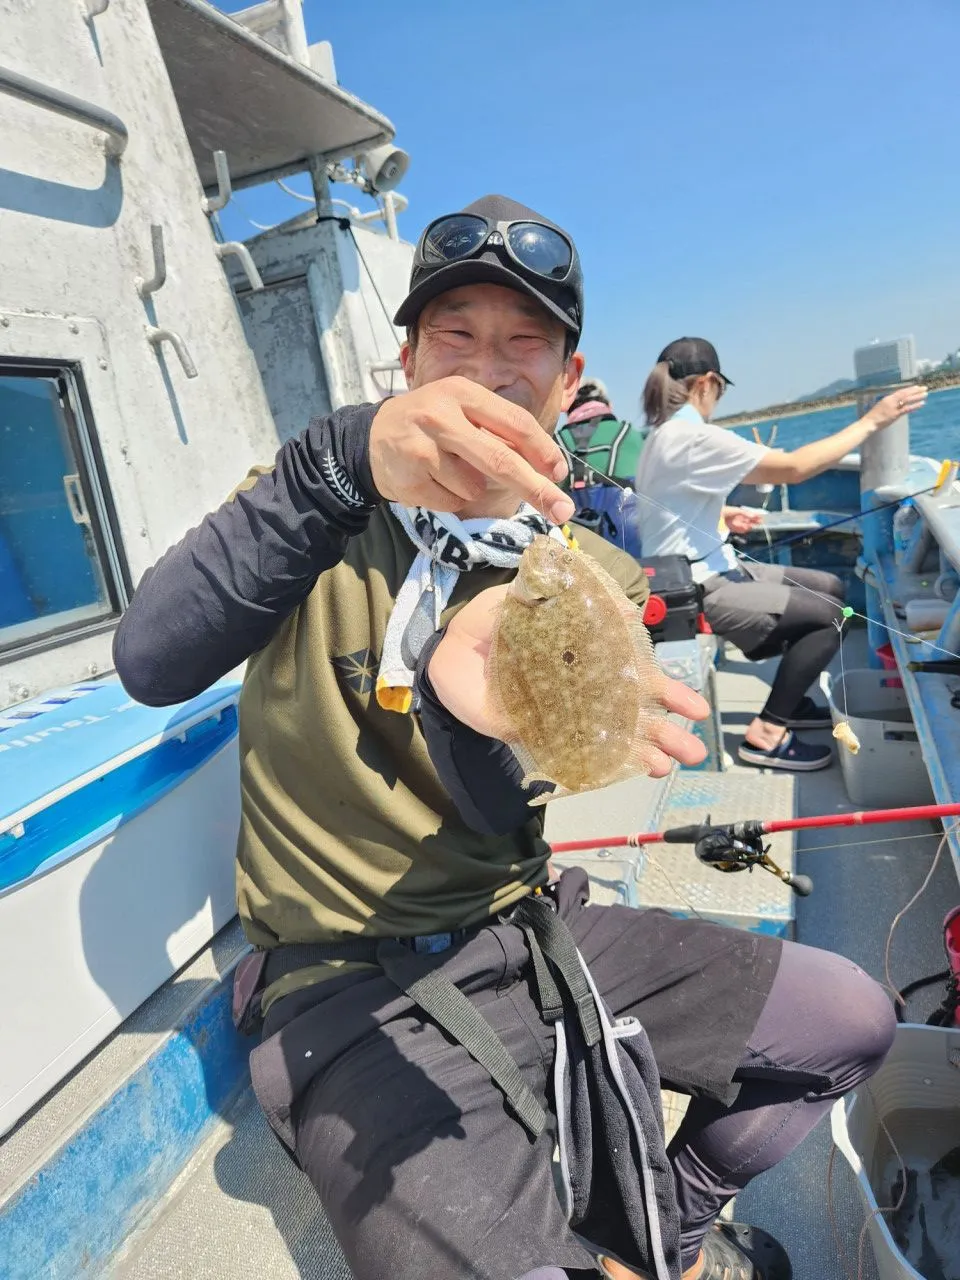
(574, 682)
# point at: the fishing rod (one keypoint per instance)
(739, 846)
(807, 535)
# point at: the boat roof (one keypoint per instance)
(239, 94)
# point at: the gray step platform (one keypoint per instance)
(240, 1208)
(671, 877)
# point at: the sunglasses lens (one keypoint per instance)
(540, 249)
(453, 238)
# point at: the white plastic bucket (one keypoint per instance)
(889, 770)
(921, 1074)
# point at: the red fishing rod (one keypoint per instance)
(739, 846)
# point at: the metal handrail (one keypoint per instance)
(65, 104)
(241, 252)
(159, 278)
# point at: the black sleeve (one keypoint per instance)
(481, 775)
(222, 591)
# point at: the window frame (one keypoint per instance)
(79, 423)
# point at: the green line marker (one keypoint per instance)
(847, 611)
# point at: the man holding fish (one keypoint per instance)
(390, 865)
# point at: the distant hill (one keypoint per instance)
(832, 389)
(937, 380)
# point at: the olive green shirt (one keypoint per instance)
(346, 828)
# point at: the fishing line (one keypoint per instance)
(658, 866)
(898, 998)
(862, 844)
(902, 1171)
(848, 611)
(843, 675)
(880, 1209)
(376, 289)
(808, 535)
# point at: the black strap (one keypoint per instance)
(450, 1009)
(559, 947)
(304, 955)
(551, 1001)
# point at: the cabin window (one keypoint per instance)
(60, 571)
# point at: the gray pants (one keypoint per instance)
(744, 606)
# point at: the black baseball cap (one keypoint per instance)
(494, 265)
(690, 356)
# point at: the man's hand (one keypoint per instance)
(458, 672)
(895, 405)
(741, 519)
(436, 447)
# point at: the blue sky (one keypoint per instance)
(779, 177)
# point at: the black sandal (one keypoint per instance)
(735, 1251)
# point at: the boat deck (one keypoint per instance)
(862, 879)
(240, 1207)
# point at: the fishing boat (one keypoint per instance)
(145, 364)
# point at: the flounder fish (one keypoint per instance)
(574, 681)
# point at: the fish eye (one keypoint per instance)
(567, 558)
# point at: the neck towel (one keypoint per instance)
(446, 547)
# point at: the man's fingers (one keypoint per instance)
(435, 497)
(458, 477)
(512, 424)
(493, 457)
(683, 701)
(678, 743)
(653, 761)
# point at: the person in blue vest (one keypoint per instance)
(603, 452)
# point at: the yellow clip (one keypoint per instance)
(946, 467)
(572, 543)
(394, 698)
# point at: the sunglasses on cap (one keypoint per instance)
(541, 250)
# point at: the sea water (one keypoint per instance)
(934, 429)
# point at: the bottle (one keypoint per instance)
(905, 520)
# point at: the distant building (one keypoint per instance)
(882, 362)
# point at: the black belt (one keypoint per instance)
(547, 937)
(434, 993)
(304, 955)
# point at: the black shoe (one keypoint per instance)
(810, 716)
(790, 753)
(734, 1251)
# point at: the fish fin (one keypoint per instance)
(529, 779)
(557, 794)
(624, 604)
(531, 769)
(643, 643)
(501, 724)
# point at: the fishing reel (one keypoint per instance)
(736, 846)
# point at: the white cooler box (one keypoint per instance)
(118, 829)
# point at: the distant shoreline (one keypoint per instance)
(794, 408)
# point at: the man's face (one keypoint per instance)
(501, 339)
